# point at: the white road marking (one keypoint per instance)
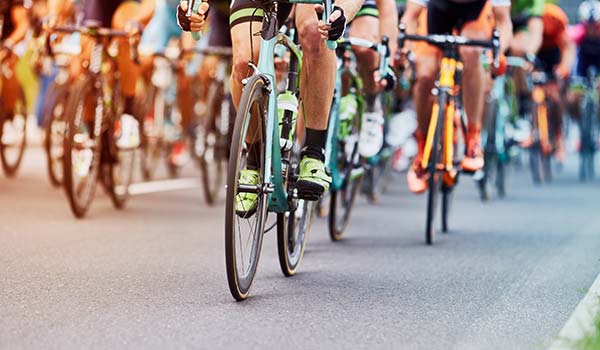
(164, 186)
(581, 321)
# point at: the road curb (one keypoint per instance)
(581, 322)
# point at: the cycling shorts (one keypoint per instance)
(161, 29)
(100, 12)
(369, 8)
(244, 11)
(548, 59)
(219, 34)
(588, 56)
(444, 16)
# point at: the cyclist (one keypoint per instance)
(376, 19)
(317, 81)
(586, 35)
(14, 24)
(473, 19)
(161, 29)
(556, 56)
(130, 16)
(526, 16)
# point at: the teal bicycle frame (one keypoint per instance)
(270, 38)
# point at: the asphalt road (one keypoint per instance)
(153, 276)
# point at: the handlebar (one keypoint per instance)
(97, 32)
(452, 41)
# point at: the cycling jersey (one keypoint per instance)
(523, 10)
(588, 54)
(555, 25)
(162, 27)
(7, 24)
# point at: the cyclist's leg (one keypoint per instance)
(478, 25)
(13, 33)
(317, 83)
(550, 58)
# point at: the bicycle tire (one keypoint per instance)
(82, 90)
(152, 146)
(117, 170)
(213, 159)
(11, 159)
(292, 234)
(254, 94)
(55, 125)
(342, 200)
(490, 151)
(434, 179)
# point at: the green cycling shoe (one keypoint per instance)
(314, 179)
(246, 203)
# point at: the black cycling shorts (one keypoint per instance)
(443, 16)
(219, 34)
(100, 12)
(548, 59)
(243, 11)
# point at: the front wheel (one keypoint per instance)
(82, 146)
(55, 125)
(13, 135)
(433, 180)
(244, 230)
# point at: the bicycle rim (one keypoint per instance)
(55, 130)
(13, 136)
(244, 233)
(82, 148)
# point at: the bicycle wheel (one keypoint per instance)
(490, 152)
(82, 146)
(244, 232)
(433, 180)
(447, 197)
(294, 225)
(377, 178)
(152, 135)
(351, 172)
(213, 155)
(55, 130)
(13, 136)
(117, 169)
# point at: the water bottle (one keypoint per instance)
(348, 110)
(287, 101)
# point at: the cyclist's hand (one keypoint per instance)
(133, 28)
(197, 21)
(387, 82)
(337, 25)
(501, 69)
(562, 71)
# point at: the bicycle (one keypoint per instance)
(13, 124)
(54, 105)
(441, 159)
(344, 162)
(588, 125)
(499, 112)
(213, 133)
(93, 107)
(279, 155)
(540, 149)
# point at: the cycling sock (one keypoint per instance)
(129, 105)
(314, 145)
(253, 160)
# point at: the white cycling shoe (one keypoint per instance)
(129, 136)
(401, 127)
(371, 134)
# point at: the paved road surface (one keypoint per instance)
(153, 276)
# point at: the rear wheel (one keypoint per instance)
(350, 173)
(433, 174)
(214, 141)
(82, 146)
(13, 135)
(55, 129)
(244, 231)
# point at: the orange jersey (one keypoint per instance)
(555, 25)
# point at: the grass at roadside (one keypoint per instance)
(591, 339)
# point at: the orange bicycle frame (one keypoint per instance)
(539, 97)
